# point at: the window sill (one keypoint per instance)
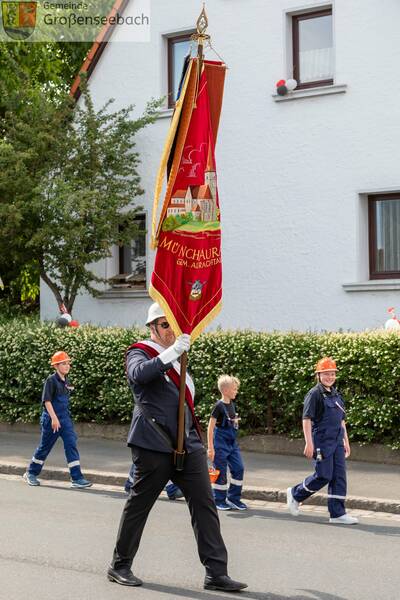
(123, 294)
(325, 90)
(375, 285)
(165, 113)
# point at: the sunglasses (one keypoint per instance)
(163, 325)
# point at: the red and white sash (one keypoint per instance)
(152, 349)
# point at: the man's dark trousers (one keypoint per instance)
(153, 470)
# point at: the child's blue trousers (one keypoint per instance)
(329, 471)
(227, 454)
(47, 441)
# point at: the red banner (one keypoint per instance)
(187, 276)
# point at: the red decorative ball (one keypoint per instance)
(74, 323)
(280, 82)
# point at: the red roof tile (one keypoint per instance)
(201, 192)
(179, 194)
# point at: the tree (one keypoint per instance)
(51, 65)
(46, 64)
(50, 69)
(68, 178)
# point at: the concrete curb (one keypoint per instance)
(250, 492)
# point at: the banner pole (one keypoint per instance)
(179, 456)
(180, 452)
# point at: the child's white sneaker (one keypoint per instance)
(344, 520)
(291, 503)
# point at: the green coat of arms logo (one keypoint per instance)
(19, 18)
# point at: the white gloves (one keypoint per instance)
(181, 345)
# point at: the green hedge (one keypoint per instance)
(276, 370)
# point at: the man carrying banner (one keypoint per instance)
(186, 286)
(153, 372)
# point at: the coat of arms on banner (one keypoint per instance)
(19, 18)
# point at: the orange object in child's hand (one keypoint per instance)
(213, 473)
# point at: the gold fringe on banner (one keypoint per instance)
(206, 321)
(159, 298)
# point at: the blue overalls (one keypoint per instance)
(227, 453)
(331, 468)
(60, 402)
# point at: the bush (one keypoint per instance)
(24, 311)
(275, 370)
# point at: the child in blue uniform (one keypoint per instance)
(327, 442)
(55, 422)
(223, 449)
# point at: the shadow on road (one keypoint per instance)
(386, 530)
(176, 592)
(383, 530)
(94, 491)
(317, 595)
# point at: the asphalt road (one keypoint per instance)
(56, 542)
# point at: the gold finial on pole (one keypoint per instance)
(202, 21)
(201, 36)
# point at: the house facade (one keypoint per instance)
(308, 182)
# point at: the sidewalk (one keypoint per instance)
(370, 486)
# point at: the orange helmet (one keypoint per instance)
(213, 473)
(325, 364)
(59, 357)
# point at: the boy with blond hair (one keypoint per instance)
(223, 449)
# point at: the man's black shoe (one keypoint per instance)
(223, 583)
(123, 577)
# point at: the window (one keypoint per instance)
(313, 49)
(132, 260)
(178, 48)
(384, 236)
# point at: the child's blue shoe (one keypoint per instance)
(31, 479)
(236, 504)
(173, 491)
(81, 483)
(176, 495)
(223, 506)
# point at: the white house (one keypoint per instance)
(309, 182)
(179, 202)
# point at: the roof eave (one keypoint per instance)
(97, 48)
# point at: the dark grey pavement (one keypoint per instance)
(371, 486)
(56, 543)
